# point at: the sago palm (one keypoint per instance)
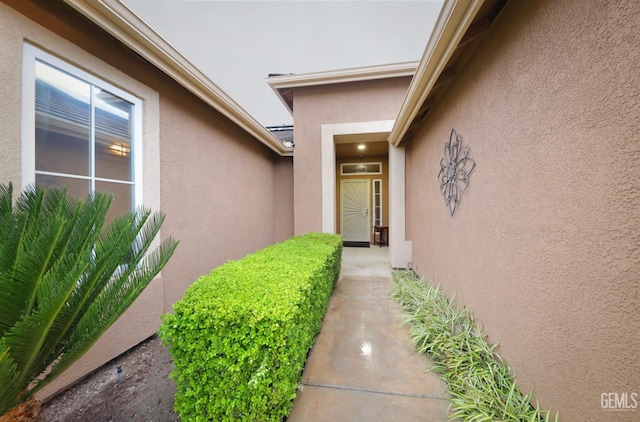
(65, 277)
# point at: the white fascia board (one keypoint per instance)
(121, 22)
(395, 70)
(453, 21)
(368, 73)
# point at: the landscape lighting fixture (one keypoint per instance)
(361, 147)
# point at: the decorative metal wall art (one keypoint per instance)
(455, 168)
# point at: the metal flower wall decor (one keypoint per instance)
(455, 168)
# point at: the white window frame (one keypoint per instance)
(30, 55)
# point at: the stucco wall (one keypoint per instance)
(283, 199)
(216, 184)
(545, 247)
(10, 74)
(328, 104)
(217, 190)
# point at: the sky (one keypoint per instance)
(238, 43)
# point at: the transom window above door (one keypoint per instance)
(347, 169)
(84, 133)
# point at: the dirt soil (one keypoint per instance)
(145, 393)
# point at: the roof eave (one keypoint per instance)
(453, 21)
(280, 93)
(280, 84)
(118, 20)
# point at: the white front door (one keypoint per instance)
(354, 210)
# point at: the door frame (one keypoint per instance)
(400, 249)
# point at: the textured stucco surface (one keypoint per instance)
(10, 74)
(225, 194)
(283, 199)
(328, 104)
(545, 246)
(217, 190)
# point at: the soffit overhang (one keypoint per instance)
(122, 23)
(283, 85)
(459, 29)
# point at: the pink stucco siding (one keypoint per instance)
(330, 104)
(218, 189)
(544, 247)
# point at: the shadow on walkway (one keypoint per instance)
(362, 367)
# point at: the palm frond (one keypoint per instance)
(116, 299)
(9, 396)
(64, 279)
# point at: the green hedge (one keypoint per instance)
(239, 338)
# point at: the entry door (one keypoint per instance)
(354, 210)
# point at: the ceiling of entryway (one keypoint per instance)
(372, 149)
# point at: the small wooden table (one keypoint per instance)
(383, 235)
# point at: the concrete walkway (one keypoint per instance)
(362, 367)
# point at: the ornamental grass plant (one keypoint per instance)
(481, 384)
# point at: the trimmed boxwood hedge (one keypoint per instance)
(240, 336)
